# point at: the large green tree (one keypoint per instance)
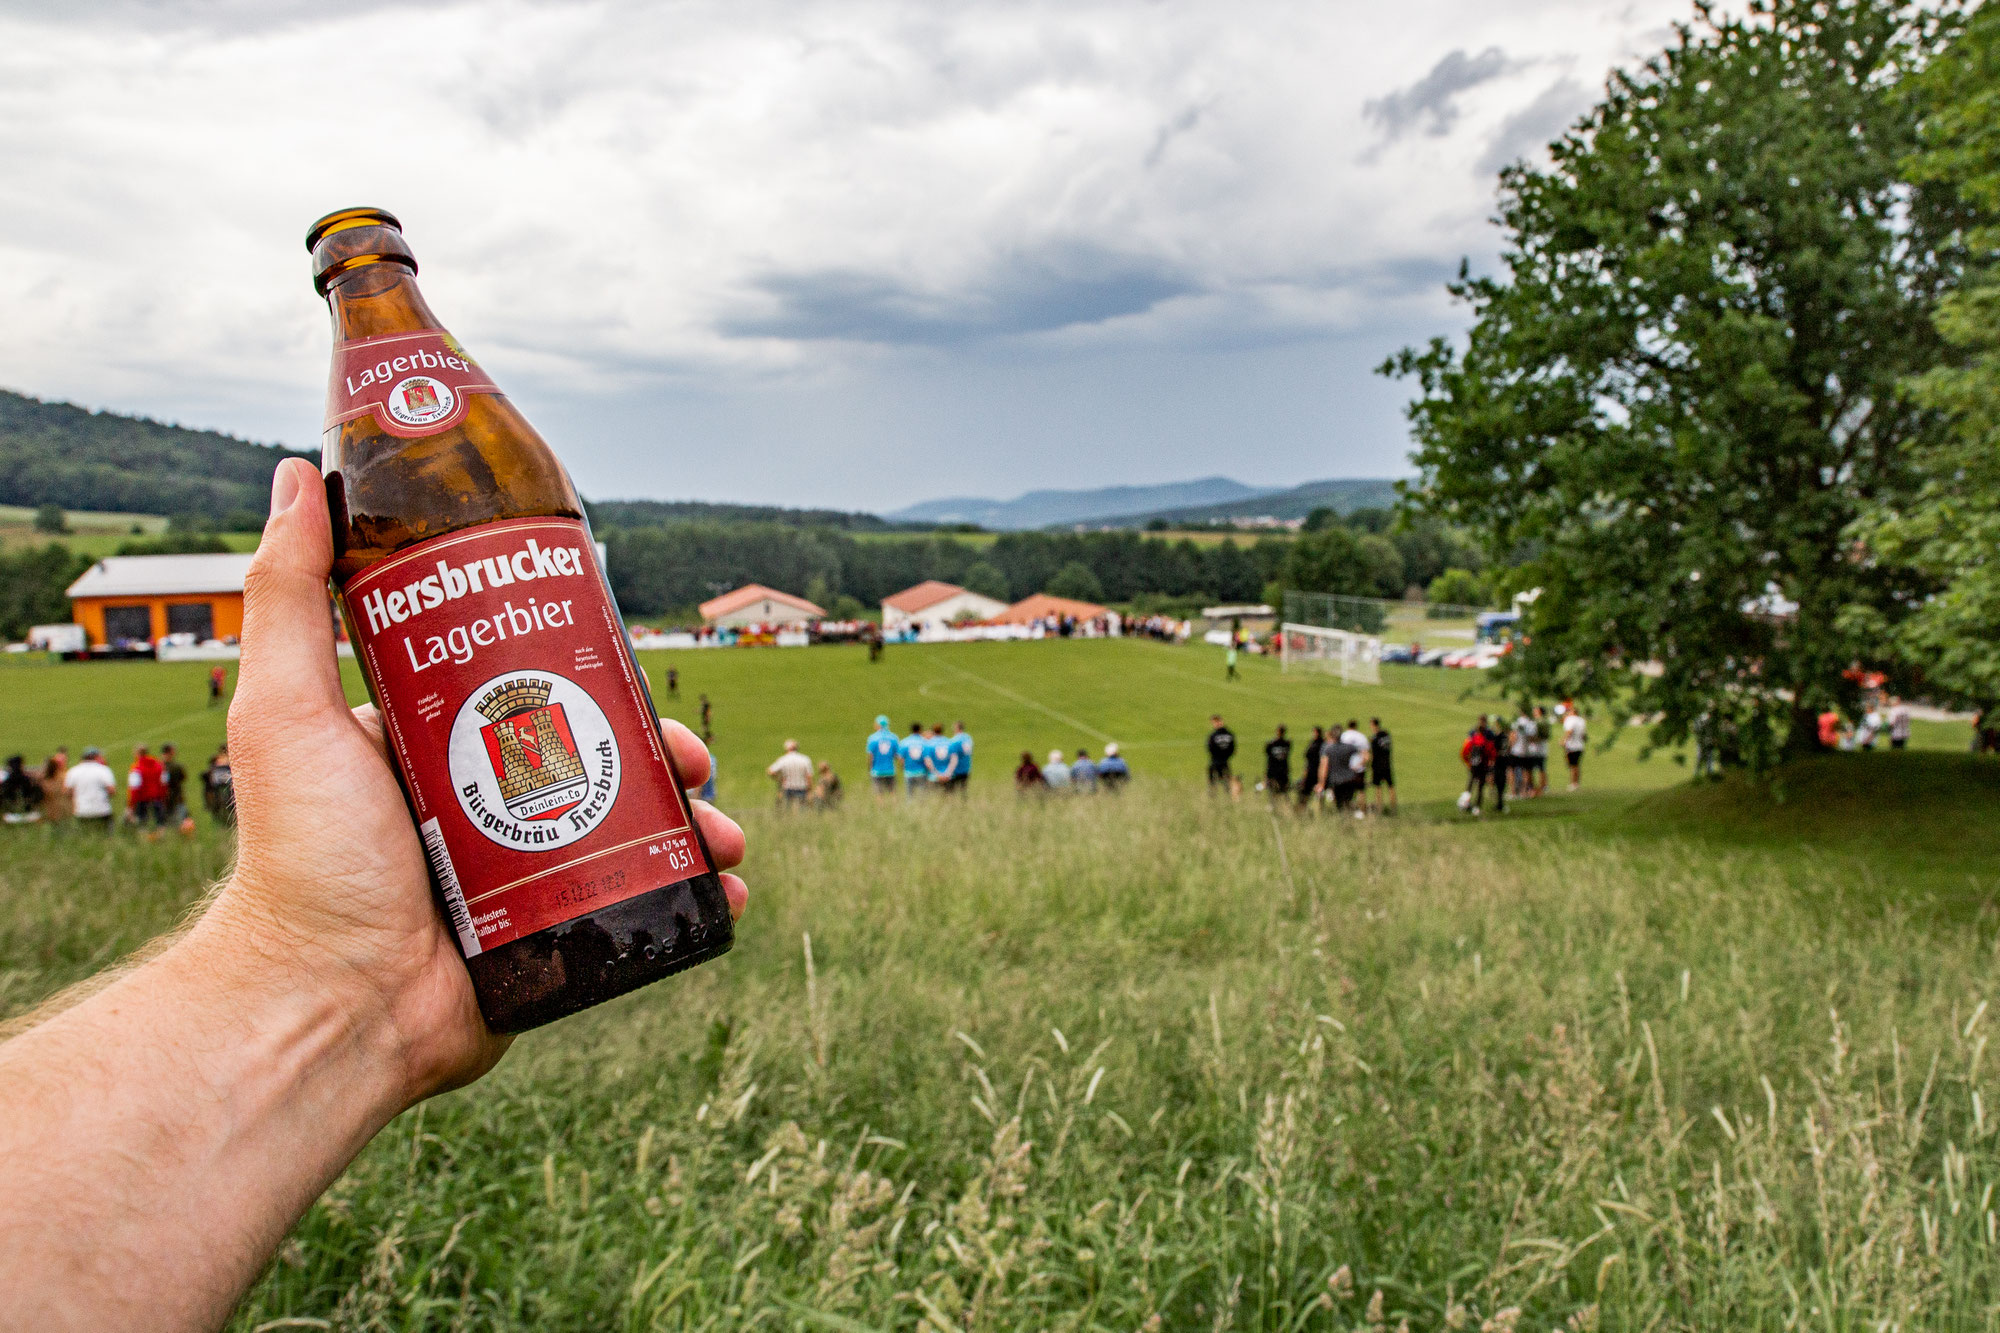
(1950, 530)
(1682, 388)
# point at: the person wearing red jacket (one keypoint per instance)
(1479, 755)
(146, 790)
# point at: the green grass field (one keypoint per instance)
(1656, 1057)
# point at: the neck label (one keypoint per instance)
(413, 384)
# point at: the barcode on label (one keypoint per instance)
(454, 898)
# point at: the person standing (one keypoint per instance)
(1575, 731)
(20, 792)
(915, 747)
(673, 682)
(1477, 754)
(793, 772)
(1229, 662)
(1520, 742)
(217, 677)
(882, 752)
(1278, 764)
(1309, 774)
(1381, 767)
(1112, 771)
(1336, 763)
(1538, 755)
(707, 732)
(1083, 773)
(173, 791)
(961, 764)
(941, 760)
(1221, 749)
(1497, 739)
(1055, 773)
(90, 785)
(145, 793)
(1899, 724)
(218, 788)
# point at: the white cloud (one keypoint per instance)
(614, 194)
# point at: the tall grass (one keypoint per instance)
(1166, 1063)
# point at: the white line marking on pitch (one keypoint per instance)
(1034, 704)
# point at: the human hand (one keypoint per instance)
(330, 885)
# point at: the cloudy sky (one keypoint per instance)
(846, 252)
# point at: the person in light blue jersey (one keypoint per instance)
(883, 749)
(961, 764)
(942, 759)
(915, 748)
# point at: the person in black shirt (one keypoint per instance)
(1309, 775)
(1497, 738)
(1381, 767)
(1337, 775)
(1278, 764)
(1221, 749)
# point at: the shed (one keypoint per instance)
(125, 598)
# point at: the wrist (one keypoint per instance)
(307, 1014)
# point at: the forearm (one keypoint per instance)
(161, 1137)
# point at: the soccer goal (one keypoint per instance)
(1357, 658)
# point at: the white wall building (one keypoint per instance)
(935, 605)
(755, 604)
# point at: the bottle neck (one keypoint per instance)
(378, 298)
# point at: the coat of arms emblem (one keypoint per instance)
(419, 397)
(533, 753)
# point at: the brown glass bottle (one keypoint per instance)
(561, 844)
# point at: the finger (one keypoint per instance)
(690, 755)
(288, 660)
(739, 895)
(723, 835)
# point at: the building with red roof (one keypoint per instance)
(755, 604)
(936, 604)
(1042, 606)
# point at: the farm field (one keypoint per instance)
(95, 532)
(1659, 1056)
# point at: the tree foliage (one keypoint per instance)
(1684, 387)
(1075, 581)
(1950, 529)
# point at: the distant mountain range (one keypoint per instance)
(1041, 509)
(1202, 501)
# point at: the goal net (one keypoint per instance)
(1356, 658)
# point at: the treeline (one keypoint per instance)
(674, 567)
(658, 513)
(58, 453)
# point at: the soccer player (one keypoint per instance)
(1278, 764)
(1309, 775)
(942, 759)
(1221, 749)
(915, 746)
(1538, 755)
(961, 745)
(1381, 767)
(882, 752)
(1477, 754)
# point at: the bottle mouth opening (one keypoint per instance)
(352, 238)
(343, 219)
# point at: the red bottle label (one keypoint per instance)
(511, 702)
(412, 383)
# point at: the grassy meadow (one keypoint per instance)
(1654, 1057)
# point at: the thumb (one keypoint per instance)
(289, 669)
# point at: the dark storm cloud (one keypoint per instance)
(1060, 288)
(1432, 101)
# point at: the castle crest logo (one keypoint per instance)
(533, 761)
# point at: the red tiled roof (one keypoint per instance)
(1042, 604)
(752, 592)
(928, 593)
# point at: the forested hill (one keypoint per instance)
(63, 454)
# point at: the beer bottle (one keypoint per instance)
(560, 840)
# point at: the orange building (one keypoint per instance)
(145, 598)
(1041, 606)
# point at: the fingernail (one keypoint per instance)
(284, 489)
